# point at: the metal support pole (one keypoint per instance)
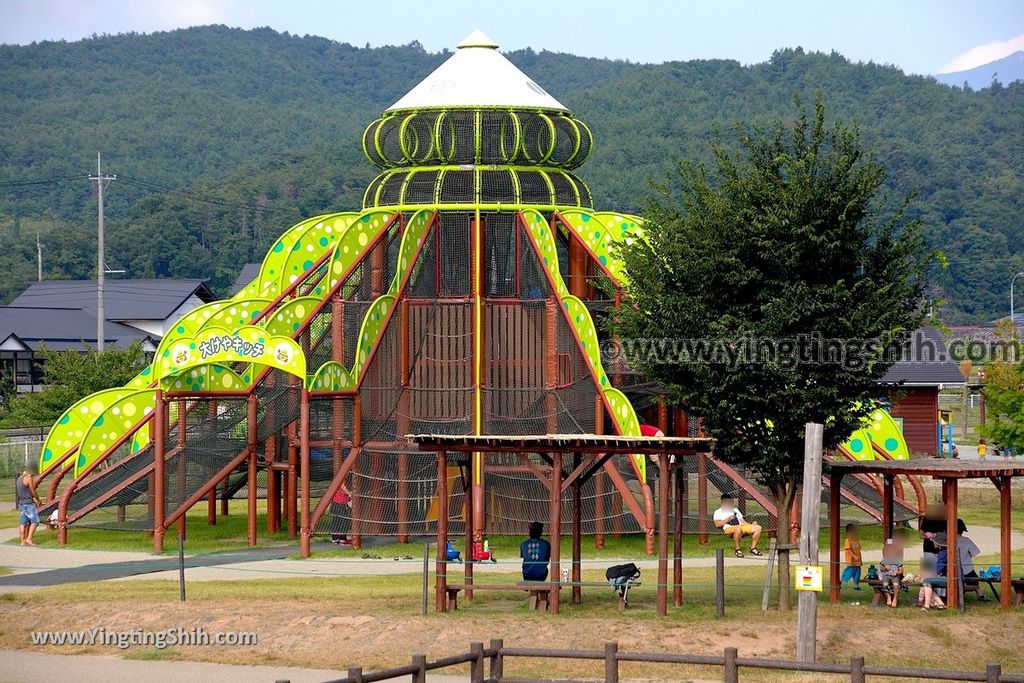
(555, 525)
(251, 425)
(954, 597)
(887, 506)
(677, 540)
(834, 525)
(719, 583)
(664, 474)
(159, 470)
(1005, 546)
(577, 536)
(441, 581)
(305, 533)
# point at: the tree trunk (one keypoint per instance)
(785, 494)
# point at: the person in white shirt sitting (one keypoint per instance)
(732, 522)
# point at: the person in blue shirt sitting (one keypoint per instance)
(536, 553)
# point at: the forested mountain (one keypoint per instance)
(222, 138)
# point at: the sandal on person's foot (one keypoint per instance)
(755, 551)
(739, 553)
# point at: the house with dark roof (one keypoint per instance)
(61, 314)
(925, 368)
(249, 272)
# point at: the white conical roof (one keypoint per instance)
(477, 75)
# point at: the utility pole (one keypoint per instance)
(100, 265)
(39, 258)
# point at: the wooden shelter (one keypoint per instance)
(585, 454)
(948, 471)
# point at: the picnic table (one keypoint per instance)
(971, 583)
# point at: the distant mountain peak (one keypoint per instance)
(1006, 70)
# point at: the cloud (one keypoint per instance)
(983, 54)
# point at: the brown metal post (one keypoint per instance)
(440, 579)
(835, 480)
(469, 528)
(555, 526)
(950, 493)
(887, 506)
(159, 470)
(664, 474)
(702, 498)
(577, 535)
(357, 489)
(291, 492)
(599, 479)
(677, 538)
(211, 507)
(1005, 547)
(224, 498)
(251, 423)
(402, 419)
(304, 531)
(273, 501)
(182, 431)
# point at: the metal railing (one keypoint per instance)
(493, 657)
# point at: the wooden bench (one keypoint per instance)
(538, 592)
(970, 585)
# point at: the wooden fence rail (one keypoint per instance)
(729, 661)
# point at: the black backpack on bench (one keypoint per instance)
(622, 576)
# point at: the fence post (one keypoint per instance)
(426, 577)
(769, 568)
(731, 669)
(476, 667)
(497, 659)
(857, 670)
(420, 662)
(993, 672)
(719, 583)
(611, 663)
(355, 674)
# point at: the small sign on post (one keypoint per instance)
(809, 578)
(810, 521)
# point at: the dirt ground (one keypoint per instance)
(377, 632)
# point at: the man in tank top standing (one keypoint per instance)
(26, 499)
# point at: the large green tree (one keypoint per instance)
(771, 290)
(69, 376)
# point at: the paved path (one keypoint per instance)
(28, 667)
(35, 567)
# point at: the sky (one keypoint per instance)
(918, 36)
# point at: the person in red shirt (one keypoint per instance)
(341, 506)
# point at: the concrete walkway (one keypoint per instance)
(29, 667)
(35, 567)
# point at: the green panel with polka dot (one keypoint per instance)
(188, 325)
(545, 243)
(579, 318)
(352, 244)
(310, 244)
(859, 446)
(68, 431)
(248, 344)
(625, 419)
(412, 241)
(211, 377)
(235, 314)
(601, 231)
(370, 331)
(885, 433)
(287, 319)
(114, 422)
(268, 284)
(332, 376)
